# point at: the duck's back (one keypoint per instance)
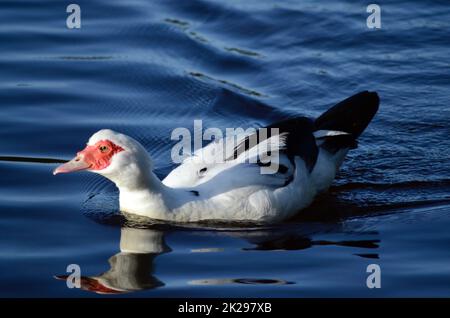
(241, 186)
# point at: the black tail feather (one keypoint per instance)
(352, 115)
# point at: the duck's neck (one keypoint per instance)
(142, 193)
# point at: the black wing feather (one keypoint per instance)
(300, 140)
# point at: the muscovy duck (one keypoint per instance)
(201, 188)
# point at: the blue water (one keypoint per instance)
(147, 67)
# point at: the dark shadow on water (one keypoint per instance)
(302, 242)
(368, 255)
(31, 159)
(243, 281)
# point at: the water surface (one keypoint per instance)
(147, 67)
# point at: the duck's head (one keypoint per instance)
(111, 154)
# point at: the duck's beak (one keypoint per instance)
(76, 164)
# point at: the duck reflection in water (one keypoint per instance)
(132, 268)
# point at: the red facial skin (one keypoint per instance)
(98, 156)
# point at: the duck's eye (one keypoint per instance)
(103, 148)
(202, 172)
